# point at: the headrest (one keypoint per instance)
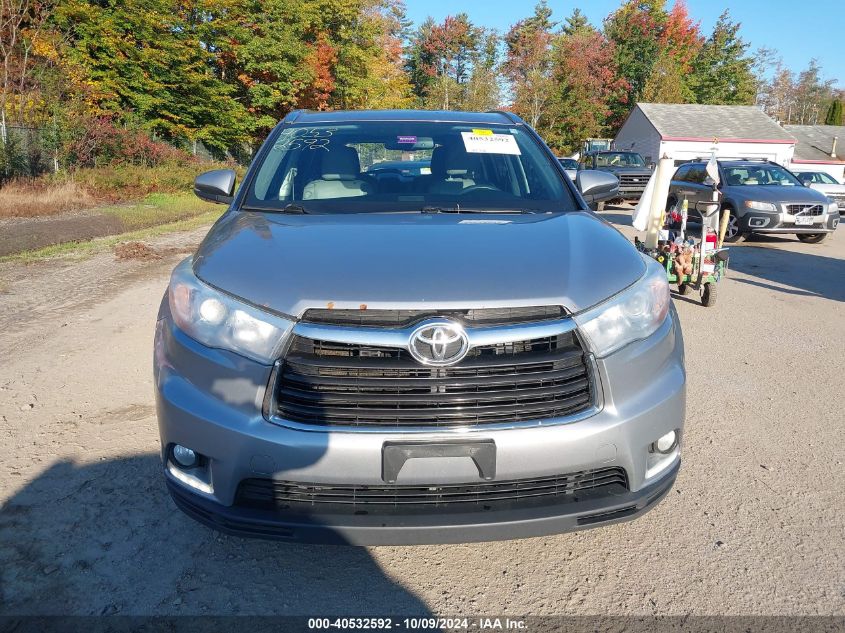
(453, 160)
(341, 163)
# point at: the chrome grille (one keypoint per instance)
(633, 180)
(805, 209)
(326, 384)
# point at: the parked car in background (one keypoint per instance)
(628, 167)
(437, 359)
(827, 184)
(762, 197)
(570, 166)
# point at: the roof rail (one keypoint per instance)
(759, 159)
(293, 115)
(510, 116)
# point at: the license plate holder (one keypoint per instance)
(395, 454)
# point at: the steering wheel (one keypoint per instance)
(479, 188)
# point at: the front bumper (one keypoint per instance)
(425, 529)
(210, 401)
(785, 223)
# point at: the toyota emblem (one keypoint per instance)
(441, 343)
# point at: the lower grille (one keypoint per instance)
(289, 496)
(323, 383)
(805, 209)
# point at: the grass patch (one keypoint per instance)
(79, 189)
(29, 199)
(159, 208)
(79, 250)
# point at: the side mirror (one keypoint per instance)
(596, 186)
(650, 166)
(217, 186)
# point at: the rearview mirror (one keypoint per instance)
(596, 186)
(217, 186)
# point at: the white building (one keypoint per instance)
(819, 148)
(688, 131)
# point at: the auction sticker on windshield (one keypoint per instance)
(490, 143)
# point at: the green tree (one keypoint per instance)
(722, 73)
(576, 22)
(528, 63)
(146, 57)
(834, 113)
(635, 29)
(666, 83)
(444, 58)
(587, 87)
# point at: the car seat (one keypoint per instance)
(453, 169)
(340, 177)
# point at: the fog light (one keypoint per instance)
(185, 457)
(666, 443)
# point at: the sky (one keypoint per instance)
(799, 31)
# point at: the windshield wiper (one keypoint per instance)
(455, 209)
(459, 209)
(293, 209)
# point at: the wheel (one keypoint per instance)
(683, 289)
(733, 234)
(812, 238)
(708, 295)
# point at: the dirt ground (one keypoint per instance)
(755, 524)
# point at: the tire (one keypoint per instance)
(733, 234)
(812, 238)
(683, 289)
(708, 295)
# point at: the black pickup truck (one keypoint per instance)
(628, 167)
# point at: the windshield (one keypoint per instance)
(760, 175)
(568, 163)
(382, 166)
(619, 159)
(817, 177)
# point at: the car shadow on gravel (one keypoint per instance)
(801, 273)
(105, 538)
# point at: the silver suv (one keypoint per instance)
(365, 353)
(762, 197)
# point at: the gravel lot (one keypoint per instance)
(755, 525)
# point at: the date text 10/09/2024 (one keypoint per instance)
(417, 624)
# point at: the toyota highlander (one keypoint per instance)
(364, 353)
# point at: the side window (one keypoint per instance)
(682, 173)
(697, 174)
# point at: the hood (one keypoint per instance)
(827, 188)
(626, 170)
(779, 193)
(416, 261)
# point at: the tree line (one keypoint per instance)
(103, 78)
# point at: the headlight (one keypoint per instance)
(760, 206)
(218, 320)
(833, 208)
(632, 315)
